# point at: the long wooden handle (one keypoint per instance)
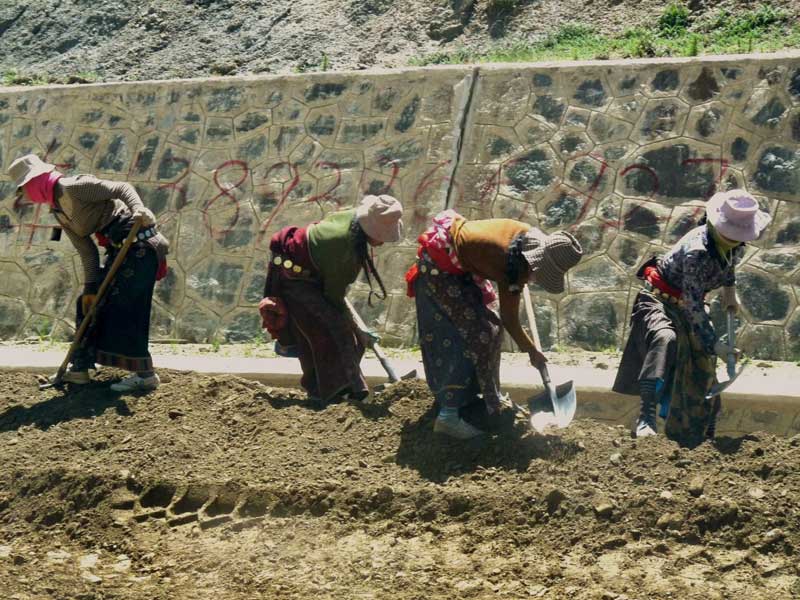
(87, 318)
(526, 297)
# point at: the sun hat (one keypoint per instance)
(736, 215)
(381, 217)
(26, 168)
(549, 257)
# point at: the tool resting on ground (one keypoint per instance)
(90, 314)
(553, 408)
(375, 347)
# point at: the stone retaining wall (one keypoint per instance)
(623, 153)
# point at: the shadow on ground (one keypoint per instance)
(84, 402)
(507, 445)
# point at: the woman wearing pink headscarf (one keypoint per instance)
(84, 206)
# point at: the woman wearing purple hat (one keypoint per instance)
(672, 347)
(304, 306)
(459, 317)
(84, 206)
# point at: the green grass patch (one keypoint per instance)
(19, 77)
(675, 33)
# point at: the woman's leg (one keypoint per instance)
(448, 370)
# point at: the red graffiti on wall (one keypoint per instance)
(383, 162)
(329, 193)
(281, 201)
(182, 189)
(225, 192)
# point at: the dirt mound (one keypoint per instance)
(217, 487)
(162, 39)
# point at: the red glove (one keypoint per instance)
(274, 315)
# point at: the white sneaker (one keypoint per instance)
(456, 428)
(134, 383)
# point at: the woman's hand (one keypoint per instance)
(148, 218)
(729, 300)
(538, 359)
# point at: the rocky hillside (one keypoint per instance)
(156, 39)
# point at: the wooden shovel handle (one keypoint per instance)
(87, 318)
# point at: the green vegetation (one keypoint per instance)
(17, 77)
(677, 32)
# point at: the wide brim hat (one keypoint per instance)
(381, 217)
(549, 257)
(25, 168)
(737, 216)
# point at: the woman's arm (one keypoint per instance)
(90, 259)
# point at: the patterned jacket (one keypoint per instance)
(695, 266)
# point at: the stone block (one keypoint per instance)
(217, 281)
(661, 119)
(16, 283)
(13, 313)
(764, 298)
(629, 253)
(115, 154)
(197, 324)
(162, 323)
(764, 110)
(504, 96)
(793, 337)
(777, 170)
(592, 321)
(628, 108)
(242, 325)
(597, 274)
(645, 219)
(532, 173)
(672, 171)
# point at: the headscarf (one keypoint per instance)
(40, 189)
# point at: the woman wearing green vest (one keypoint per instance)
(304, 305)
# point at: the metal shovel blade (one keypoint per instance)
(382, 387)
(557, 412)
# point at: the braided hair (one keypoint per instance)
(365, 258)
(516, 264)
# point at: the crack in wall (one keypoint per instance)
(465, 112)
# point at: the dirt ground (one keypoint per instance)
(217, 487)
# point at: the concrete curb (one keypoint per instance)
(760, 400)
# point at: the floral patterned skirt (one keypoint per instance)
(460, 337)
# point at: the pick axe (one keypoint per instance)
(379, 354)
(90, 314)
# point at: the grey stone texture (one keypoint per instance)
(624, 154)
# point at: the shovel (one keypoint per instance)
(89, 316)
(730, 359)
(379, 354)
(555, 407)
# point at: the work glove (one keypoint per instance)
(729, 300)
(148, 218)
(538, 359)
(86, 302)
